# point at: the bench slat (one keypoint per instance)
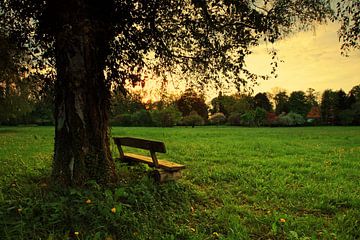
(141, 143)
(166, 165)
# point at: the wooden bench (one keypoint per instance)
(164, 170)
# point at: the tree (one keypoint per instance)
(298, 103)
(262, 101)
(328, 105)
(190, 101)
(348, 14)
(81, 39)
(281, 103)
(311, 97)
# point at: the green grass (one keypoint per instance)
(240, 183)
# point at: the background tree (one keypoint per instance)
(281, 100)
(298, 103)
(261, 100)
(328, 102)
(190, 101)
(312, 97)
(82, 38)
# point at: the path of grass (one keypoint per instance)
(240, 183)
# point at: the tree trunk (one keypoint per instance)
(82, 102)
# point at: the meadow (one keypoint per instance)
(240, 183)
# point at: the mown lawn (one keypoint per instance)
(240, 183)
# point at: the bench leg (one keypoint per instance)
(164, 176)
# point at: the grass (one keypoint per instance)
(240, 183)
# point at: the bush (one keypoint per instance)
(124, 119)
(290, 119)
(255, 117)
(217, 118)
(194, 119)
(141, 118)
(167, 117)
(234, 119)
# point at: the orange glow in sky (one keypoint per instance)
(312, 59)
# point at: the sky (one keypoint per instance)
(311, 60)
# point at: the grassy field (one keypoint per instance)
(240, 183)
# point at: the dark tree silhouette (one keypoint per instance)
(298, 103)
(262, 101)
(75, 41)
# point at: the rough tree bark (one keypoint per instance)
(82, 100)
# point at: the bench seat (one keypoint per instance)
(163, 164)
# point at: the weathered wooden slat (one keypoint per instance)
(141, 143)
(163, 164)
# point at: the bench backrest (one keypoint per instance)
(153, 146)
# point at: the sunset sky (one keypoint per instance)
(311, 59)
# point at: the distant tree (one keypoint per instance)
(355, 91)
(328, 105)
(129, 103)
(141, 118)
(166, 117)
(312, 97)
(298, 103)
(261, 100)
(223, 104)
(281, 102)
(341, 100)
(243, 103)
(255, 117)
(191, 101)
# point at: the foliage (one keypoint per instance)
(217, 118)
(261, 100)
(348, 14)
(281, 103)
(290, 119)
(190, 101)
(167, 117)
(193, 119)
(255, 117)
(234, 119)
(129, 103)
(141, 118)
(298, 103)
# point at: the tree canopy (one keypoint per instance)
(208, 37)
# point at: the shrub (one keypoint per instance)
(234, 119)
(194, 119)
(141, 118)
(167, 117)
(217, 118)
(290, 119)
(346, 117)
(124, 119)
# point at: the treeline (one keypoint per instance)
(279, 109)
(19, 105)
